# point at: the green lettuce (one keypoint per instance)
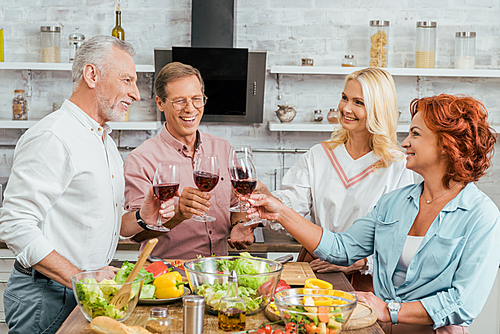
(126, 269)
(148, 292)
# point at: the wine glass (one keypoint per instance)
(206, 177)
(165, 184)
(243, 178)
(235, 152)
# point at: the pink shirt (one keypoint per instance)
(189, 238)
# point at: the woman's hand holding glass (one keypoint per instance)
(239, 151)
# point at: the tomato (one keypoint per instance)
(169, 285)
(268, 329)
(290, 325)
(290, 331)
(157, 268)
(177, 264)
(260, 331)
(278, 331)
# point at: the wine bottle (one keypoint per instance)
(118, 31)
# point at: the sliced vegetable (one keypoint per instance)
(157, 268)
(148, 292)
(125, 270)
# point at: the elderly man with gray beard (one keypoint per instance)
(62, 212)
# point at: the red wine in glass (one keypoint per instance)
(206, 177)
(205, 181)
(165, 191)
(165, 185)
(244, 187)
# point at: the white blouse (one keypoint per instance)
(335, 189)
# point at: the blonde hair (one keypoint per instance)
(381, 104)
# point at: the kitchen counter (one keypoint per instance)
(77, 324)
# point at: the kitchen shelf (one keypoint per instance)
(153, 125)
(57, 66)
(326, 127)
(411, 72)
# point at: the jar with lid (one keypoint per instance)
(51, 44)
(333, 116)
(425, 48)
(318, 117)
(348, 61)
(75, 41)
(158, 322)
(465, 50)
(19, 106)
(379, 40)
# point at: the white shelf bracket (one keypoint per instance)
(278, 80)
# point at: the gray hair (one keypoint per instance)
(97, 51)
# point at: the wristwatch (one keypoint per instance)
(394, 307)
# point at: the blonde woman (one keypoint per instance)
(341, 179)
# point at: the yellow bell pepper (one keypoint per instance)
(169, 285)
(317, 283)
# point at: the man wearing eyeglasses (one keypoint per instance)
(180, 96)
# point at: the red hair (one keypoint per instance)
(467, 140)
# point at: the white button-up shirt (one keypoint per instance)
(65, 192)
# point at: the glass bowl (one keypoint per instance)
(316, 307)
(94, 290)
(256, 282)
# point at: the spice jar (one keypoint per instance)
(75, 41)
(465, 50)
(318, 117)
(333, 116)
(425, 48)
(348, 61)
(51, 44)
(192, 314)
(158, 322)
(19, 106)
(379, 39)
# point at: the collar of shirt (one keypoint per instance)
(87, 121)
(462, 200)
(176, 144)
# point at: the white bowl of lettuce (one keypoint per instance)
(94, 290)
(257, 279)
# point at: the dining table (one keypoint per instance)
(76, 323)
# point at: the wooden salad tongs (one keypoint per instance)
(123, 295)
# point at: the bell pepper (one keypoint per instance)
(157, 268)
(317, 283)
(169, 285)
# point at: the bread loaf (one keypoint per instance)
(105, 325)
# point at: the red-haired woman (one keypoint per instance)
(435, 244)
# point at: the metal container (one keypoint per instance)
(75, 41)
(193, 313)
(51, 44)
(379, 40)
(425, 48)
(465, 50)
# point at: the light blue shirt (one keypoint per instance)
(455, 266)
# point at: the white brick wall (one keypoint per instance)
(288, 30)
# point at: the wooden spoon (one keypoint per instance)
(123, 295)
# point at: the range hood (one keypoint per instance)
(212, 23)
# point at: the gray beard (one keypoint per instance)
(109, 111)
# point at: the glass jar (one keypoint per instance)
(51, 44)
(465, 50)
(379, 39)
(158, 322)
(19, 106)
(425, 48)
(75, 41)
(333, 116)
(318, 117)
(348, 61)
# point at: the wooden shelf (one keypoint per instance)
(153, 125)
(57, 66)
(412, 72)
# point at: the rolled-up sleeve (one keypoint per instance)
(139, 173)
(41, 173)
(473, 279)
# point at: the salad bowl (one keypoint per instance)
(257, 279)
(94, 290)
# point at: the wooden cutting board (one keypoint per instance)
(296, 273)
(363, 316)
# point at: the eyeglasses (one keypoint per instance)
(181, 103)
